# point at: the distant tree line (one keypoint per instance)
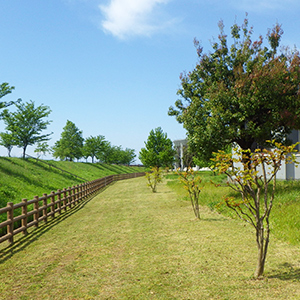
(25, 125)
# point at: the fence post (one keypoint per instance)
(24, 213)
(65, 198)
(45, 204)
(77, 194)
(10, 226)
(36, 208)
(69, 197)
(73, 195)
(53, 204)
(59, 201)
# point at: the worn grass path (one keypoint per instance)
(128, 243)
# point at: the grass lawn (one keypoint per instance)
(128, 243)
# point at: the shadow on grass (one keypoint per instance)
(21, 243)
(285, 271)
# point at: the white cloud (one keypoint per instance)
(124, 18)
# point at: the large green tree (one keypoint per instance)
(245, 93)
(70, 145)
(128, 156)
(26, 124)
(158, 151)
(94, 146)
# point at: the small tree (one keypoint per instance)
(192, 184)
(256, 183)
(7, 141)
(42, 149)
(70, 145)
(154, 177)
(26, 124)
(159, 150)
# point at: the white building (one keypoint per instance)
(290, 170)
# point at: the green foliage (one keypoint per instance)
(116, 155)
(5, 89)
(159, 150)
(7, 141)
(42, 149)
(70, 145)
(94, 146)
(253, 176)
(243, 93)
(26, 124)
(192, 183)
(154, 177)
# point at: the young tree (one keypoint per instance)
(94, 146)
(159, 150)
(26, 124)
(245, 93)
(70, 145)
(192, 183)
(256, 185)
(154, 177)
(42, 149)
(7, 141)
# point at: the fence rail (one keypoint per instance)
(41, 208)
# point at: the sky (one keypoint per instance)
(112, 67)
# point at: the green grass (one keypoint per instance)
(21, 178)
(130, 243)
(284, 220)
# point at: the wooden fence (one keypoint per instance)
(41, 208)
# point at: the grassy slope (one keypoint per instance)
(26, 178)
(133, 244)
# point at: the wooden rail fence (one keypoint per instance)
(41, 208)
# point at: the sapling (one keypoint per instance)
(192, 185)
(253, 176)
(154, 177)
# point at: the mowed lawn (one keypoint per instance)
(128, 243)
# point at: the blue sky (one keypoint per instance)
(112, 66)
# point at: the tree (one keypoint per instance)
(128, 156)
(154, 177)
(26, 124)
(5, 89)
(42, 149)
(70, 145)
(107, 154)
(159, 150)
(244, 94)
(94, 146)
(256, 185)
(7, 140)
(192, 183)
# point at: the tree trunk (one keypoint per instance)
(24, 151)
(262, 245)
